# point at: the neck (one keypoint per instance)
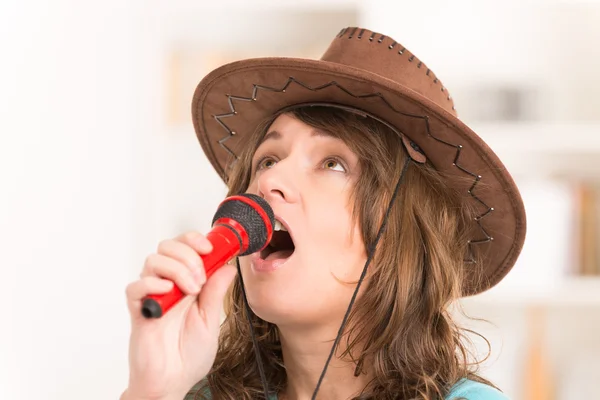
(305, 353)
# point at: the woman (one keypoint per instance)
(389, 210)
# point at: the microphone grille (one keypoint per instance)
(247, 213)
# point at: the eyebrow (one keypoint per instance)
(274, 135)
(270, 135)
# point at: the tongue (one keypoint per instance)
(279, 254)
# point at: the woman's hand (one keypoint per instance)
(168, 355)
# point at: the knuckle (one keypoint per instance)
(164, 245)
(188, 256)
(150, 261)
(192, 260)
(154, 265)
(190, 237)
(185, 286)
(129, 289)
(183, 275)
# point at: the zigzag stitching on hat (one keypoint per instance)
(471, 191)
(458, 147)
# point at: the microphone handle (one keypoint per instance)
(227, 243)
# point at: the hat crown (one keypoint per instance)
(382, 55)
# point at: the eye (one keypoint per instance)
(334, 165)
(265, 162)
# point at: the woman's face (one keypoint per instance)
(307, 177)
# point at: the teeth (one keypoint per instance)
(279, 226)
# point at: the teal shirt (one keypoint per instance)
(471, 390)
(464, 389)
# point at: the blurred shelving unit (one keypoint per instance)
(545, 320)
(566, 152)
(569, 292)
(545, 149)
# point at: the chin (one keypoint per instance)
(272, 310)
(282, 296)
(274, 301)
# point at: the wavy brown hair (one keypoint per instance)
(400, 328)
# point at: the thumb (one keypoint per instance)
(210, 300)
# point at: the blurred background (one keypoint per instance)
(99, 162)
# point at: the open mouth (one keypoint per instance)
(281, 245)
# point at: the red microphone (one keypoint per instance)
(242, 225)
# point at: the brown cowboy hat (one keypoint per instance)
(367, 71)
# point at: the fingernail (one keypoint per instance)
(198, 276)
(204, 245)
(193, 287)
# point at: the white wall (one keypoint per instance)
(86, 168)
(67, 79)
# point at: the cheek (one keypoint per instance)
(253, 187)
(337, 241)
(331, 218)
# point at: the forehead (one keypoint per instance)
(286, 125)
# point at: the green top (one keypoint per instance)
(465, 389)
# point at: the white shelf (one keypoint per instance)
(539, 138)
(554, 149)
(572, 292)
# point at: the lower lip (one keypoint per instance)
(260, 265)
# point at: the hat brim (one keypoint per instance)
(232, 100)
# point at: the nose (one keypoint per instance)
(278, 184)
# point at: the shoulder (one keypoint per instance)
(471, 390)
(199, 391)
(464, 389)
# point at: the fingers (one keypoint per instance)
(181, 252)
(188, 280)
(137, 290)
(196, 241)
(151, 284)
(177, 261)
(210, 301)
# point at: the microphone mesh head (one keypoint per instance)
(248, 216)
